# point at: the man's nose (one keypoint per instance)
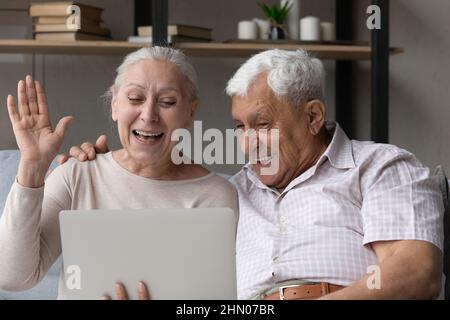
(249, 141)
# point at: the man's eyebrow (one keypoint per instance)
(254, 115)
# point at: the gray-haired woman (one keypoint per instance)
(154, 93)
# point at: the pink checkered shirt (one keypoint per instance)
(320, 227)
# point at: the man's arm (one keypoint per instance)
(409, 269)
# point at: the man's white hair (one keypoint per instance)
(170, 55)
(294, 76)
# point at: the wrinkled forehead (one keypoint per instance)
(153, 74)
(245, 108)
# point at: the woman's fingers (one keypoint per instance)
(121, 292)
(24, 110)
(143, 293)
(31, 95)
(41, 98)
(12, 111)
(62, 126)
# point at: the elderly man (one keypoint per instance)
(339, 219)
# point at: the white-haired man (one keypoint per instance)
(339, 219)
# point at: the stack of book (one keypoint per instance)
(175, 33)
(62, 21)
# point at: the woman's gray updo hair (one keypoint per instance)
(171, 55)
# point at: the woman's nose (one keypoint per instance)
(150, 112)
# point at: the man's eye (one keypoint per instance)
(239, 126)
(263, 124)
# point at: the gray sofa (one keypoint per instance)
(48, 287)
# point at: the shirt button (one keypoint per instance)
(283, 229)
(283, 218)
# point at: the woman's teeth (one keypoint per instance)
(147, 134)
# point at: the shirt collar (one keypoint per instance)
(339, 153)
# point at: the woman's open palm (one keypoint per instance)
(36, 139)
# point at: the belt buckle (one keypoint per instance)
(281, 290)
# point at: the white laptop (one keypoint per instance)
(179, 253)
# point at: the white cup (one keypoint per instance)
(327, 31)
(310, 29)
(247, 30)
(263, 28)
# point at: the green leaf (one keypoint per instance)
(267, 11)
(276, 13)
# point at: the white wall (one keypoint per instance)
(419, 79)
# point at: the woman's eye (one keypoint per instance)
(263, 124)
(167, 103)
(135, 99)
(240, 126)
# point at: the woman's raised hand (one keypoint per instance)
(36, 139)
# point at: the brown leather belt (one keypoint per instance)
(303, 292)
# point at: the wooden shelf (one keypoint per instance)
(204, 49)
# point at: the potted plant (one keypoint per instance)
(276, 15)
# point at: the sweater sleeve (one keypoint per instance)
(220, 193)
(29, 232)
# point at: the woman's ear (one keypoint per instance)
(194, 106)
(192, 111)
(316, 115)
(114, 108)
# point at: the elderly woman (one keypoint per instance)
(154, 93)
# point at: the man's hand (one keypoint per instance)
(121, 292)
(86, 151)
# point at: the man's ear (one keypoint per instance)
(316, 115)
